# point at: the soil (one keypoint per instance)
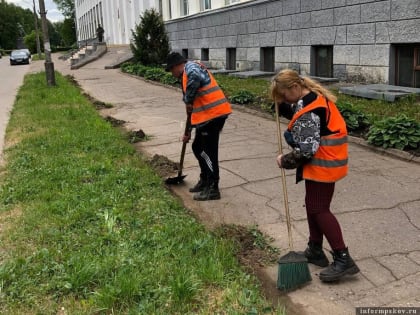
(136, 136)
(115, 122)
(163, 166)
(253, 249)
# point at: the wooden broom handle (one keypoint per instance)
(283, 180)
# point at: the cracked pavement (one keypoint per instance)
(377, 204)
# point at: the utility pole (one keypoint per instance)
(49, 65)
(38, 45)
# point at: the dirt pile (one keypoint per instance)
(253, 247)
(163, 166)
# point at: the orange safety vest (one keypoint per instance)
(209, 103)
(330, 162)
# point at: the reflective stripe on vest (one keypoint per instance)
(330, 162)
(209, 103)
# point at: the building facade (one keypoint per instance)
(117, 17)
(373, 41)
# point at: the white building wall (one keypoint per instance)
(119, 17)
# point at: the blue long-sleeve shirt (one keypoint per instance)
(197, 77)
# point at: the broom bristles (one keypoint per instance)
(293, 271)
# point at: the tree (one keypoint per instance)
(30, 41)
(150, 44)
(67, 31)
(13, 20)
(66, 7)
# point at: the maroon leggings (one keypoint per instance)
(320, 219)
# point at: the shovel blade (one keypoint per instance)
(175, 180)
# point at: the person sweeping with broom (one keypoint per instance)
(317, 134)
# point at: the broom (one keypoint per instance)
(293, 269)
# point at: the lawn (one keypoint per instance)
(87, 227)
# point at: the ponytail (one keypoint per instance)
(287, 77)
(318, 89)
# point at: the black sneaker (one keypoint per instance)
(201, 184)
(210, 192)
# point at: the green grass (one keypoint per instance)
(379, 109)
(376, 109)
(36, 57)
(87, 227)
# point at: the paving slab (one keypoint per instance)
(251, 74)
(379, 91)
(377, 204)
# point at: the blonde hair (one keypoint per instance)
(287, 78)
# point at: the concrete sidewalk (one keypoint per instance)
(378, 204)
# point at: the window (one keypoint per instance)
(184, 7)
(205, 5)
(204, 54)
(170, 9)
(230, 58)
(267, 59)
(408, 65)
(322, 59)
(101, 16)
(185, 53)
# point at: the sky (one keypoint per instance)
(52, 12)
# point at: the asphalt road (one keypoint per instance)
(11, 78)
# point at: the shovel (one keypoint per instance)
(180, 178)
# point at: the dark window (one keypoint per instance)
(204, 54)
(230, 58)
(205, 5)
(323, 61)
(184, 7)
(185, 53)
(408, 65)
(267, 59)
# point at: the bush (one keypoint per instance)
(355, 119)
(169, 79)
(30, 42)
(398, 132)
(242, 97)
(154, 74)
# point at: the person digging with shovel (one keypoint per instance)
(208, 108)
(317, 134)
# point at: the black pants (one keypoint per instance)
(206, 148)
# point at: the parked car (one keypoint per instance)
(19, 57)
